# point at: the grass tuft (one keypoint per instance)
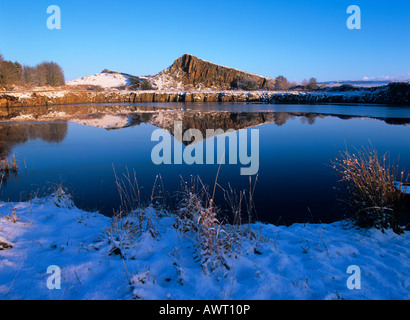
(8, 165)
(373, 185)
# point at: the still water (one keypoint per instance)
(75, 147)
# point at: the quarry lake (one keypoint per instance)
(78, 147)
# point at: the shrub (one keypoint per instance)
(344, 88)
(248, 85)
(400, 90)
(312, 84)
(373, 187)
(145, 85)
(234, 84)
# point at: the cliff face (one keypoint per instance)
(190, 72)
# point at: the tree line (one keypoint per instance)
(43, 74)
(280, 83)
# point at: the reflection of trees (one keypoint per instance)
(13, 134)
(282, 117)
(309, 118)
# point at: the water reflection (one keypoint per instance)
(51, 122)
(18, 133)
(78, 145)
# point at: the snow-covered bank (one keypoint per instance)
(151, 259)
(394, 93)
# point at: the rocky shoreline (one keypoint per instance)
(394, 93)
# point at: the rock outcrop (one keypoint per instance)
(189, 72)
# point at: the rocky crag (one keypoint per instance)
(191, 73)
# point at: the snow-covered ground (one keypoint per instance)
(163, 81)
(104, 80)
(149, 258)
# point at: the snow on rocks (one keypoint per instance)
(156, 260)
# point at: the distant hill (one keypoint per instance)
(356, 83)
(369, 82)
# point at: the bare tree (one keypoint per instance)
(49, 73)
(45, 73)
(29, 75)
(281, 83)
(10, 73)
(312, 84)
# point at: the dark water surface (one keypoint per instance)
(296, 142)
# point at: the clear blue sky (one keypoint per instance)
(295, 38)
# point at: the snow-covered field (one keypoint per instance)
(149, 258)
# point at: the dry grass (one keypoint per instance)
(197, 218)
(242, 205)
(132, 219)
(198, 213)
(8, 165)
(373, 186)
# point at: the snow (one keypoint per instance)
(303, 261)
(166, 82)
(105, 80)
(107, 121)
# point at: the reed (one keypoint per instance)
(8, 165)
(373, 185)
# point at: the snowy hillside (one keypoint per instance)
(105, 80)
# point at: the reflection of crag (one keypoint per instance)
(121, 116)
(211, 120)
(224, 120)
(13, 134)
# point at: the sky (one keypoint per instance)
(298, 39)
